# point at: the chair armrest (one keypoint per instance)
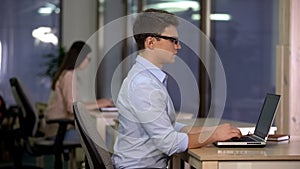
(63, 123)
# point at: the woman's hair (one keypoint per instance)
(149, 22)
(75, 56)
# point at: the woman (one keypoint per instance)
(61, 100)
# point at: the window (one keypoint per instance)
(29, 30)
(246, 45)
(244, 34)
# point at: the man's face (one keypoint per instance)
(166, 49)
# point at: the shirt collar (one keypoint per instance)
(158, 73)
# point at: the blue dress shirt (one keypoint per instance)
(148, 133)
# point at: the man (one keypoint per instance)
(148, 134)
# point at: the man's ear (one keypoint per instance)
(150, 42)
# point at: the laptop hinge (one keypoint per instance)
(258, 138)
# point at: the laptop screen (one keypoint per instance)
(266, 116)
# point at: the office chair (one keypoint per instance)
(94, 147)
(28, 119)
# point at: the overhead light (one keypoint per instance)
(220, 17)
(45, 10)
(57, 10)
(182, 6)
(214, 17)
(48, 9)
(45, 34)
(196, 17)
(173, 7)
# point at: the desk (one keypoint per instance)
(273, 156)
(105, 122)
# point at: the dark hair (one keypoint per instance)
(75, 56)
(151, 21)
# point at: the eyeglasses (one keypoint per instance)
(172, 39)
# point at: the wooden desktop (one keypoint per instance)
(274, 155)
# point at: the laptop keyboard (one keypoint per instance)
(242, 139)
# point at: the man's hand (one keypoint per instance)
(105, 103)
(225, 132)
(201, 136)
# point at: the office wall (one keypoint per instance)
(22, 54)
(295, 68)
(79, 20)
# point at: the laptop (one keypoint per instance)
(263, 125)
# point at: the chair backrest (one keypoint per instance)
(91, 141)
(2, 110)
(28, 118)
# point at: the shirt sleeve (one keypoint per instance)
(66, 87)
(149, 102)
(178, 126)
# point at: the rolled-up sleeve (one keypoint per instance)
(185, 142)
(178, 126)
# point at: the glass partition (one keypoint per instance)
(244, 36)
(246, 45)
(29, 30)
